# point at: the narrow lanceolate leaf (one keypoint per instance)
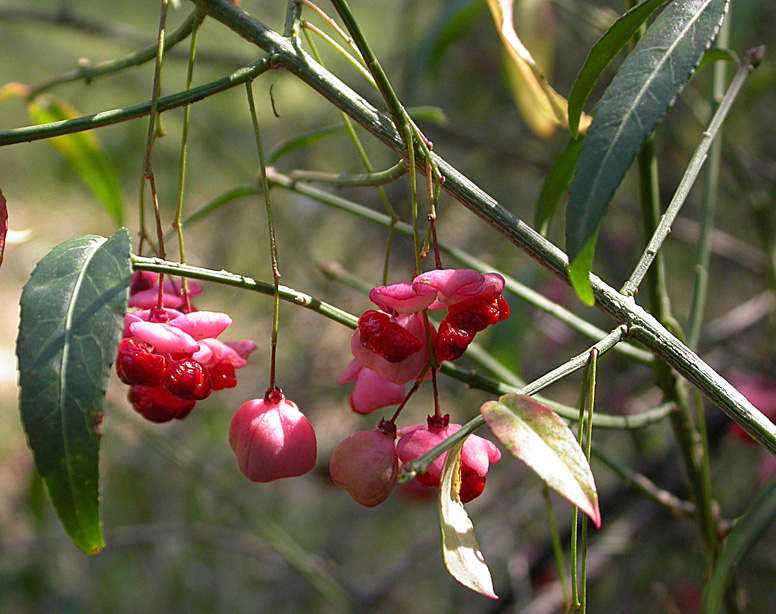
(83, 152)
(460, 549)
(646, 84)
(3, 224)
(555, 184)
(72, 316)
(603, 52)
(745, 534)
(542, 440)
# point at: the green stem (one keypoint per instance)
(335, 314)
(521, 290)
(557, 547)
(273, 247)
(362, 154)
(153, 129)
(693, 169)
(377, 178)
(177, 225)
(646, 487)
(395, 107)
(115, 116)
(420, 464)
(708, 201)
(308, 27)
(89, 72)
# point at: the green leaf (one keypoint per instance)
(603, 52)
(72, 317)
(83, 152)
(648, 82)
(716, 54)
(555, 184)
(747, 530)
(579, 272)
(541, 439)
(460, 549)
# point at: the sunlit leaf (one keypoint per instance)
(579, 272)
(646, 84)
(716, 54)
(603, 52)
(542, 440)
(547, 103)
(460, 549)
(744, 534)
(83, 152)
(72, 317)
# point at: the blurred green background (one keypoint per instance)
(186, 532)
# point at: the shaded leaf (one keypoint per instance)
(541, 439)
(647, 83)
(72, 317)
(744, 534)
(460, 549)
(83, 152)
(603, 52)
(452, 23)
(555, 184)
(548, 103)
(3, 224)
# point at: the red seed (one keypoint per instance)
(222, 375)
(379, 334)
(135, 365)
(188, 380)
(451, 342)
(157, 404)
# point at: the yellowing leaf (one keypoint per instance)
(83, 152)
(460, 549)
(542, 107)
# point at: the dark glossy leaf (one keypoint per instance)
(541, 439)
(460, 550)
(83, 152)
(72, 317)
(648, 82)
(555, 184)
(603, 52)
(744, 534)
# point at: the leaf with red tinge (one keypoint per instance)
(541, 439)
(3, 224)
(460, 549)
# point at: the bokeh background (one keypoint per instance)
(186, 532)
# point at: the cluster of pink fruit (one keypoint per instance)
(172, 359)
(390, 349)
